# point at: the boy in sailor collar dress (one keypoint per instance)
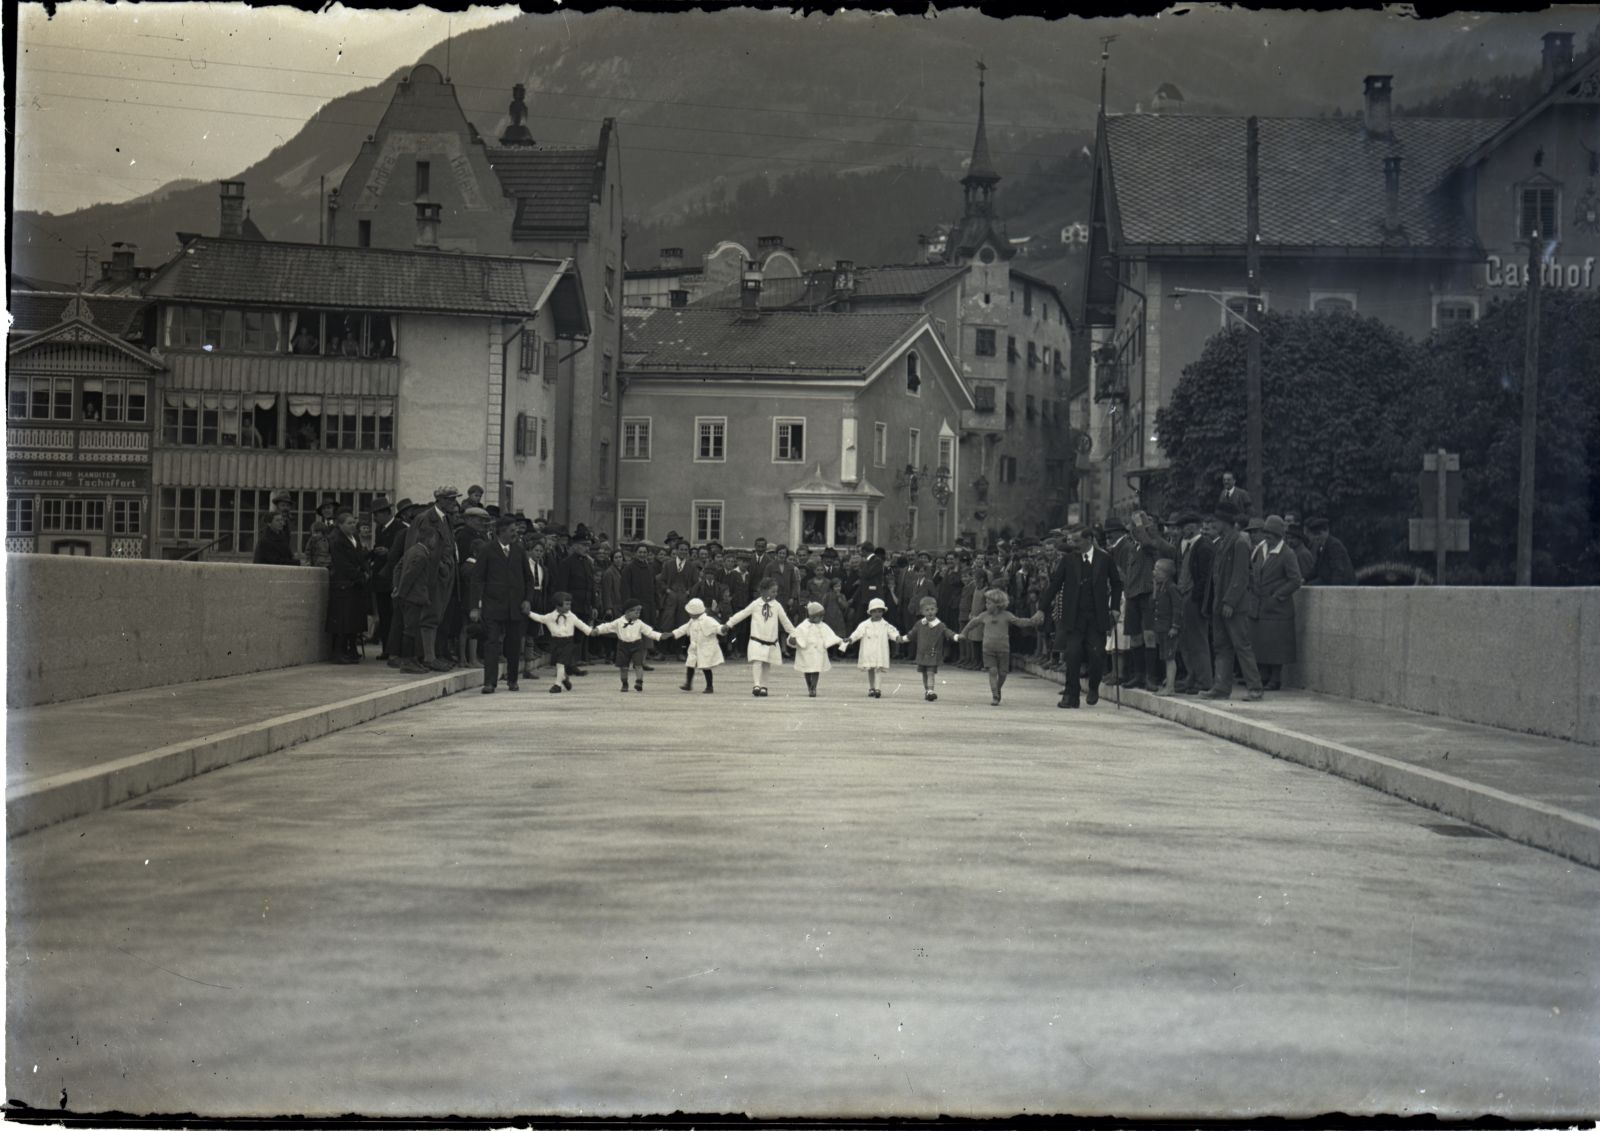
(766, 616)
(704, 651)
(811, 640)
(564, 626)
(928, 637)
(631, 634)
(875, 634)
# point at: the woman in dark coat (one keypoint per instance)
(611, 587)
(272, 542)
(1274, 577)
(347, 589)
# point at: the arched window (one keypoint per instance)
(913, 374)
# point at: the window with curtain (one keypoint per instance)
(305, 423)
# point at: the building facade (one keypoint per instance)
(1418, 222)
(427, 178)
(337, 372)
(828, 429)
(79, 422)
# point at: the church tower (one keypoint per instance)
(976, 230)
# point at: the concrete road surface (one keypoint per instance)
(601, 903)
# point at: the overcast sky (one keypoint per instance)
(113, 102)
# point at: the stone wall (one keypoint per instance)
(80, 626)
(1523, 659)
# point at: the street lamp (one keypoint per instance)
(1219, 297)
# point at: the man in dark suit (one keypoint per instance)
(1226, 608)
(1082, 595)
(678, 576)
(871, 580)
(1331, 562)
(425, 578)
(759, 561)
(501, 588)
(1234, 495)
(388, 527)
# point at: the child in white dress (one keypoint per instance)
(811, 640)
(766, 616)
(875, 634)
(704, 651)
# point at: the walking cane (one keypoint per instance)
(1116, 648)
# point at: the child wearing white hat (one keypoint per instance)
(811, 639)
(704, 651)
(875, 635)
(766, 616)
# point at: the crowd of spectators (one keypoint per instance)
(406, 577)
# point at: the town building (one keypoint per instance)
(340, 372)
(1008, 333)
(675, 282)
(426, 178)
(826, 428)
(1418, 222)
(79, 419)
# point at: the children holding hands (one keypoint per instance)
(811, 639)
(705, 652)
(563, 625)
(995, 623)
(875, 635)
(928, 638)
(766, 616)
(631, 634)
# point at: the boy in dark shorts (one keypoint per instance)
(928, 637)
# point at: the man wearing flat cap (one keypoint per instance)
(425, 577)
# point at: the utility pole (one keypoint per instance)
(1530, 414)
(1252, 356)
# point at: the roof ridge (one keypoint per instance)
(441, 253)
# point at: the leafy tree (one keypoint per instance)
(1337, 393)
(1470, 401)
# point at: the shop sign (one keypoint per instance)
(1553, 273)
(83, 479)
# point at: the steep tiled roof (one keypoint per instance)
(358, 278)
(1181, 179)
(553, 187)
(713, 342)
(39, 310)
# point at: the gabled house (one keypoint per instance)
(830, 429)
(1419, 222)
(79, 417)
(426, 178)
(340, 372)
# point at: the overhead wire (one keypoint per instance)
(633, 123)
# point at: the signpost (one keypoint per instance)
(1440, 529)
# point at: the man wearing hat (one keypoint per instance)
(469, 536)
(382, 520)
(425, 578)
(1296, 537)
(1193, 578)
(500, 596)
(1082, 597)
(870, 581)
(1230, 620)
(1332, 561)
(393, 537)
(318, 551)
(574, 574)
(1274, 577)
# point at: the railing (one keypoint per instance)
(127, 547)
(20, 543)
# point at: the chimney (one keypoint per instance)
(1557, 55)
(122, 270)
(769, 244)
(672, 257)
(750, 292)
(232, 210)
(1391, 194)
(678, 297)
(1378, 110)
(427, 224)
(105, 270)
(844, 277)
